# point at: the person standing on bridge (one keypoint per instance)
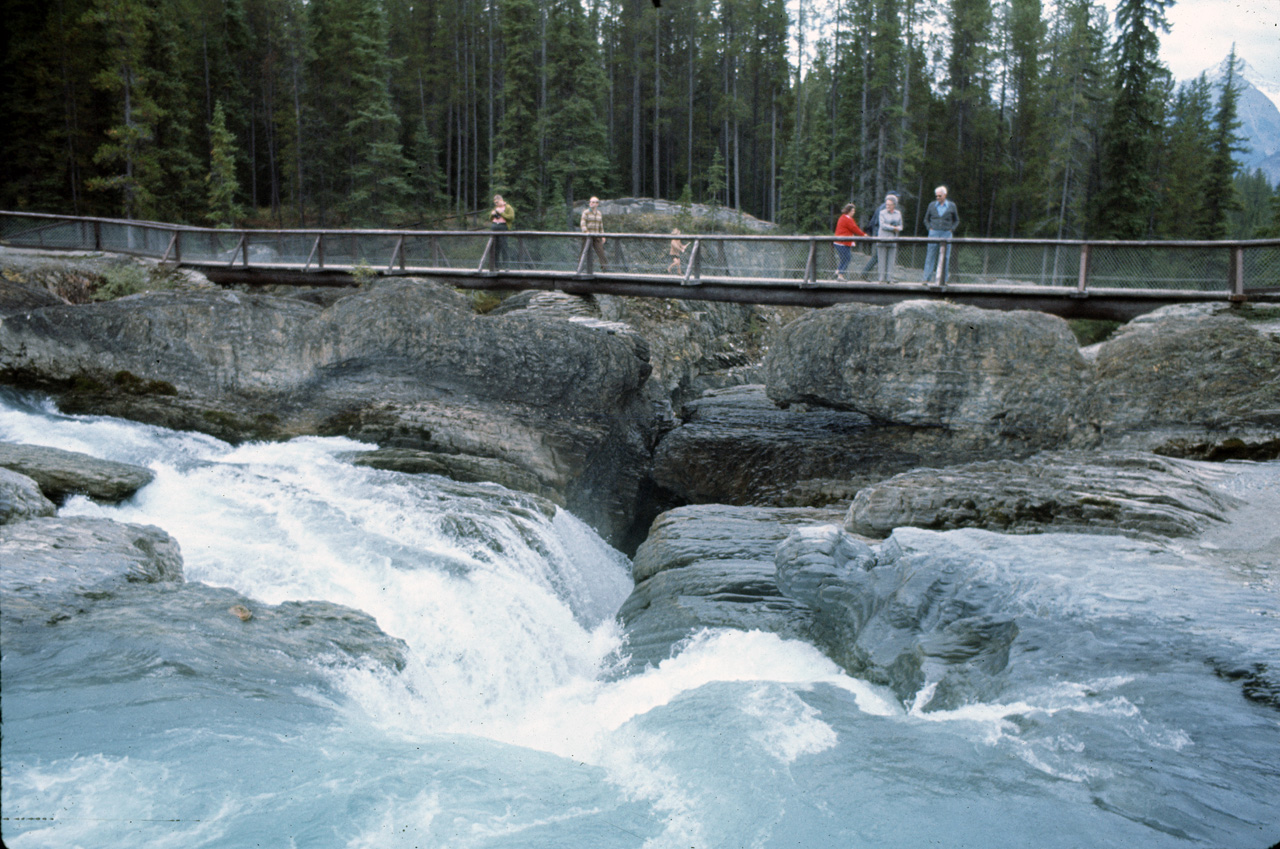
(500, 218)
(873, 224)
(846, 226)
(676, 250)
(941, 220)
(888, 227)
(592, 224)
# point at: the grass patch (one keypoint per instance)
(1091, 331)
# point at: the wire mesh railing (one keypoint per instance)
(1221, 268)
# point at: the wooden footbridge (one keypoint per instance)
(1073, 279)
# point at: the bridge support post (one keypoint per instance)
(1236, 273)
(1082, 281)
(693, 277)
(811, 267)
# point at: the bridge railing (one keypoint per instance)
(1220, 268)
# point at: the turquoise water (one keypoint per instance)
(155, 718)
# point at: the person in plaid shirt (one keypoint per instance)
(593, 223)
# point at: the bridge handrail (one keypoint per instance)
(1198, 266)
(332, 231)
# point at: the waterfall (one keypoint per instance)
(154, 718)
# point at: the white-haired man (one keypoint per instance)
(941, 220)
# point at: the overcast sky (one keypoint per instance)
(1201, 33)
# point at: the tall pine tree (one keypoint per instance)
(1132, 133)
(1220, 198)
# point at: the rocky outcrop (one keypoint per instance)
(858, 393)
(1088, 492)
(404, 364)
(1197, 381)
(60, 474)
(100, 574)
(710, 566)
(19, 297)
(736, 446)
(53, 567)
(930, 630)
(21, 498)
(1015, 377)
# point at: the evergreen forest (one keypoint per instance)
(1044, 120)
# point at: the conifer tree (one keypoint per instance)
(1075, 102)
(223, 210)
(1132, 132)
(362, 169)
(426, 182)
(129, 153)
(1183, 164)
(577, 156)
(1220, 199)
(516, 163)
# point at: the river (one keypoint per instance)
(157, 719)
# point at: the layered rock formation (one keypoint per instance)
(62, 473)
(404, 364)
(1087, 492)
(857, 393)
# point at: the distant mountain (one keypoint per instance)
(1259, 114)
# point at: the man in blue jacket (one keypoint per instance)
(941, 220)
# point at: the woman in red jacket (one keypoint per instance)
(846, 226)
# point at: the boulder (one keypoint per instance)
(21, 498)
(52, 568)
(710, 566)
(736, 446)
(19, 297)
(403, 363)
(110, 577)
(1196, 381)
(1079, 491)
(60, 474)
(930, 629)
(1015, 378)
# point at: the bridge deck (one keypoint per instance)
(1096, 279)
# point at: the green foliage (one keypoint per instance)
(1220, 199)
(362, 272)
(392, 112)
(1091, 331)
(1132, 132)
(684, 218)
(129, 278)
(715, 180)
(223, 186)
(1271, 230)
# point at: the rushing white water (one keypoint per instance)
(157, 719)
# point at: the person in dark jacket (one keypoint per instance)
(941, 220)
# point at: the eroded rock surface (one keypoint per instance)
(402, 363)
(62, 473)
(1091, 492)
(1015, 376)
(21, 498)
(711, 566)
(1197, 381)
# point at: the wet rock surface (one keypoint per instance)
(63, 473)
(1087, 492)
(21, 498)
(403, 363)
(711, 566)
